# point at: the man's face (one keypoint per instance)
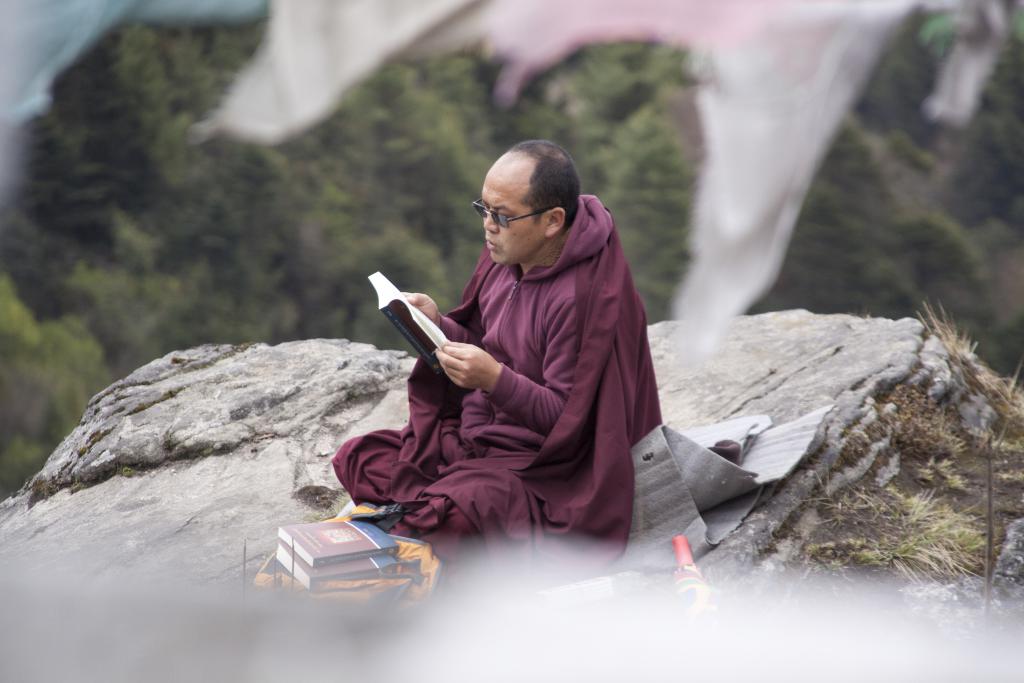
(524, 241)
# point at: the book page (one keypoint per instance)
(387, 292)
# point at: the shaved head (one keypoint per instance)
(554, 180)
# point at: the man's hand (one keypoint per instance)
(426, 305)
(470, 367)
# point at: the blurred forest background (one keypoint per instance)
(124, 242)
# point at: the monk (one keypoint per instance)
(523, 444)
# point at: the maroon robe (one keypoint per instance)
(571, 480)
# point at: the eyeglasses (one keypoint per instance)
(500, 219)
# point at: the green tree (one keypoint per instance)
(988, 181)
(607, 85)
(841, 258)
(943, 263)
(903, 80)
(1007, 354)
(648, 193)
(47, 372)
(856, 250)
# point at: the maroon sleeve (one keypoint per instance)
(471, 334)
(538, 406)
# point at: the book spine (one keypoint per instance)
(289, 542)
(348, 557)
(426, 355)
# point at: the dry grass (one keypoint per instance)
(921, 430)
(913, 534)
(941, 473)
(331, 511)
(931, 519)
(1011, 477)
(1004, 394)
(1010, 444)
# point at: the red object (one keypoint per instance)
(320, 543)
(690, 585)
(681, 546)
(576, 479)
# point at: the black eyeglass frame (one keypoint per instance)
(501, 219)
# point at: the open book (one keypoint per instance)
(422, 333)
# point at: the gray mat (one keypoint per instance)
(683, 487)
(778, 450)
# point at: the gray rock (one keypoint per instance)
(194, 454)
(785, 365)
(1008, 577)
(178, 464)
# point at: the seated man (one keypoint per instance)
(524, 442)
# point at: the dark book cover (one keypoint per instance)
(400, 317)
(418, 329)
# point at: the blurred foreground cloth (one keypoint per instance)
(769, 109)
(43, 37)
(982, 26)
(778, 77)
(316, 49)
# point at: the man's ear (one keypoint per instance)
(554, 221)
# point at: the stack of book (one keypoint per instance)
(317, 553)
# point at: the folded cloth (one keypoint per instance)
(684, 486)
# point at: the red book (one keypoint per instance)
(321, 543)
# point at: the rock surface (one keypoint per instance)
(178, 464)
(1009, 569)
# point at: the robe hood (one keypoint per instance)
(588, 235)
